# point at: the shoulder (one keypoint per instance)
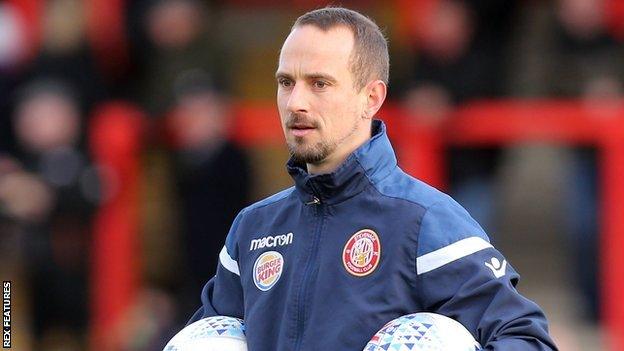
(446, 224)
(402, 186)
(444, 221)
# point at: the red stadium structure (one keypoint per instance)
(420, 148)
(115, 142)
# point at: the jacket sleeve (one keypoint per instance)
(462, 276)
(223, 294)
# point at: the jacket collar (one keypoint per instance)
(369, 163)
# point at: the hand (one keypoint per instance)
(25, 197)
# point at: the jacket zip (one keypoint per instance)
(301, 307)
(315, 201)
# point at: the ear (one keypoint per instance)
(375, 96)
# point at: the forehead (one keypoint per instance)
(46, 101)
(311, 49)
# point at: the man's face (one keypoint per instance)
(198, 120)
(320, 110)
(47, 121)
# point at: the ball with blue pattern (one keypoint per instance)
(219, 333)
(423, 331)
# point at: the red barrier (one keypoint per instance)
(31, 12)
(612, 219)
(106, 31)
(115, 140)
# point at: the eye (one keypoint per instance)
(319, 84)
(285, 82)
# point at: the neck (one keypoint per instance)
(325, 166)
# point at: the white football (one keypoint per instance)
(217, 333)
(423, 331)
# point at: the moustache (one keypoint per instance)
(298, 120)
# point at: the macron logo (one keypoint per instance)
(271, 241)
(497, 267)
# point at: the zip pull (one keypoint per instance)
(315, 201)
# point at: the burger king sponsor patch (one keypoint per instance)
(268, 269)
(361, 253)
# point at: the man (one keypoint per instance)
(207, 166)
(51, 198)
(356, 242)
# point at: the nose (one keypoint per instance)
(298, 100)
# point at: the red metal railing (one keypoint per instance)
(115, 142)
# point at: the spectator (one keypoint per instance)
(212, 175)
(179, 39)
(65, 53)
(58, 190)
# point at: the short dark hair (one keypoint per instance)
(47, 86)
(369, 59)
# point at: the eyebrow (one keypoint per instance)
(313, 75)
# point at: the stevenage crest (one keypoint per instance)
(361, 253)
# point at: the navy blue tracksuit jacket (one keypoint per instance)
(325, 264)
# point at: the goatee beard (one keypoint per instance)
(312, 155)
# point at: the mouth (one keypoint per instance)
(301, 129)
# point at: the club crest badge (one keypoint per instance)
(268, 269)
(362, 252)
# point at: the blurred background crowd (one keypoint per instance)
(69, 67)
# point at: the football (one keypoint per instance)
(217, 333)
(423, 331)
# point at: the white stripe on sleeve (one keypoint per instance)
(450, 253)
(227, 262)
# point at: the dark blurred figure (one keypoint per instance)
(65, 53)
(179, 36)
(459, 57)
(212, 175)
(459, 49)
(564, 50)
(52, 195)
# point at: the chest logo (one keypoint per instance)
(268, 269)
(361, 253)
(271, 241)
